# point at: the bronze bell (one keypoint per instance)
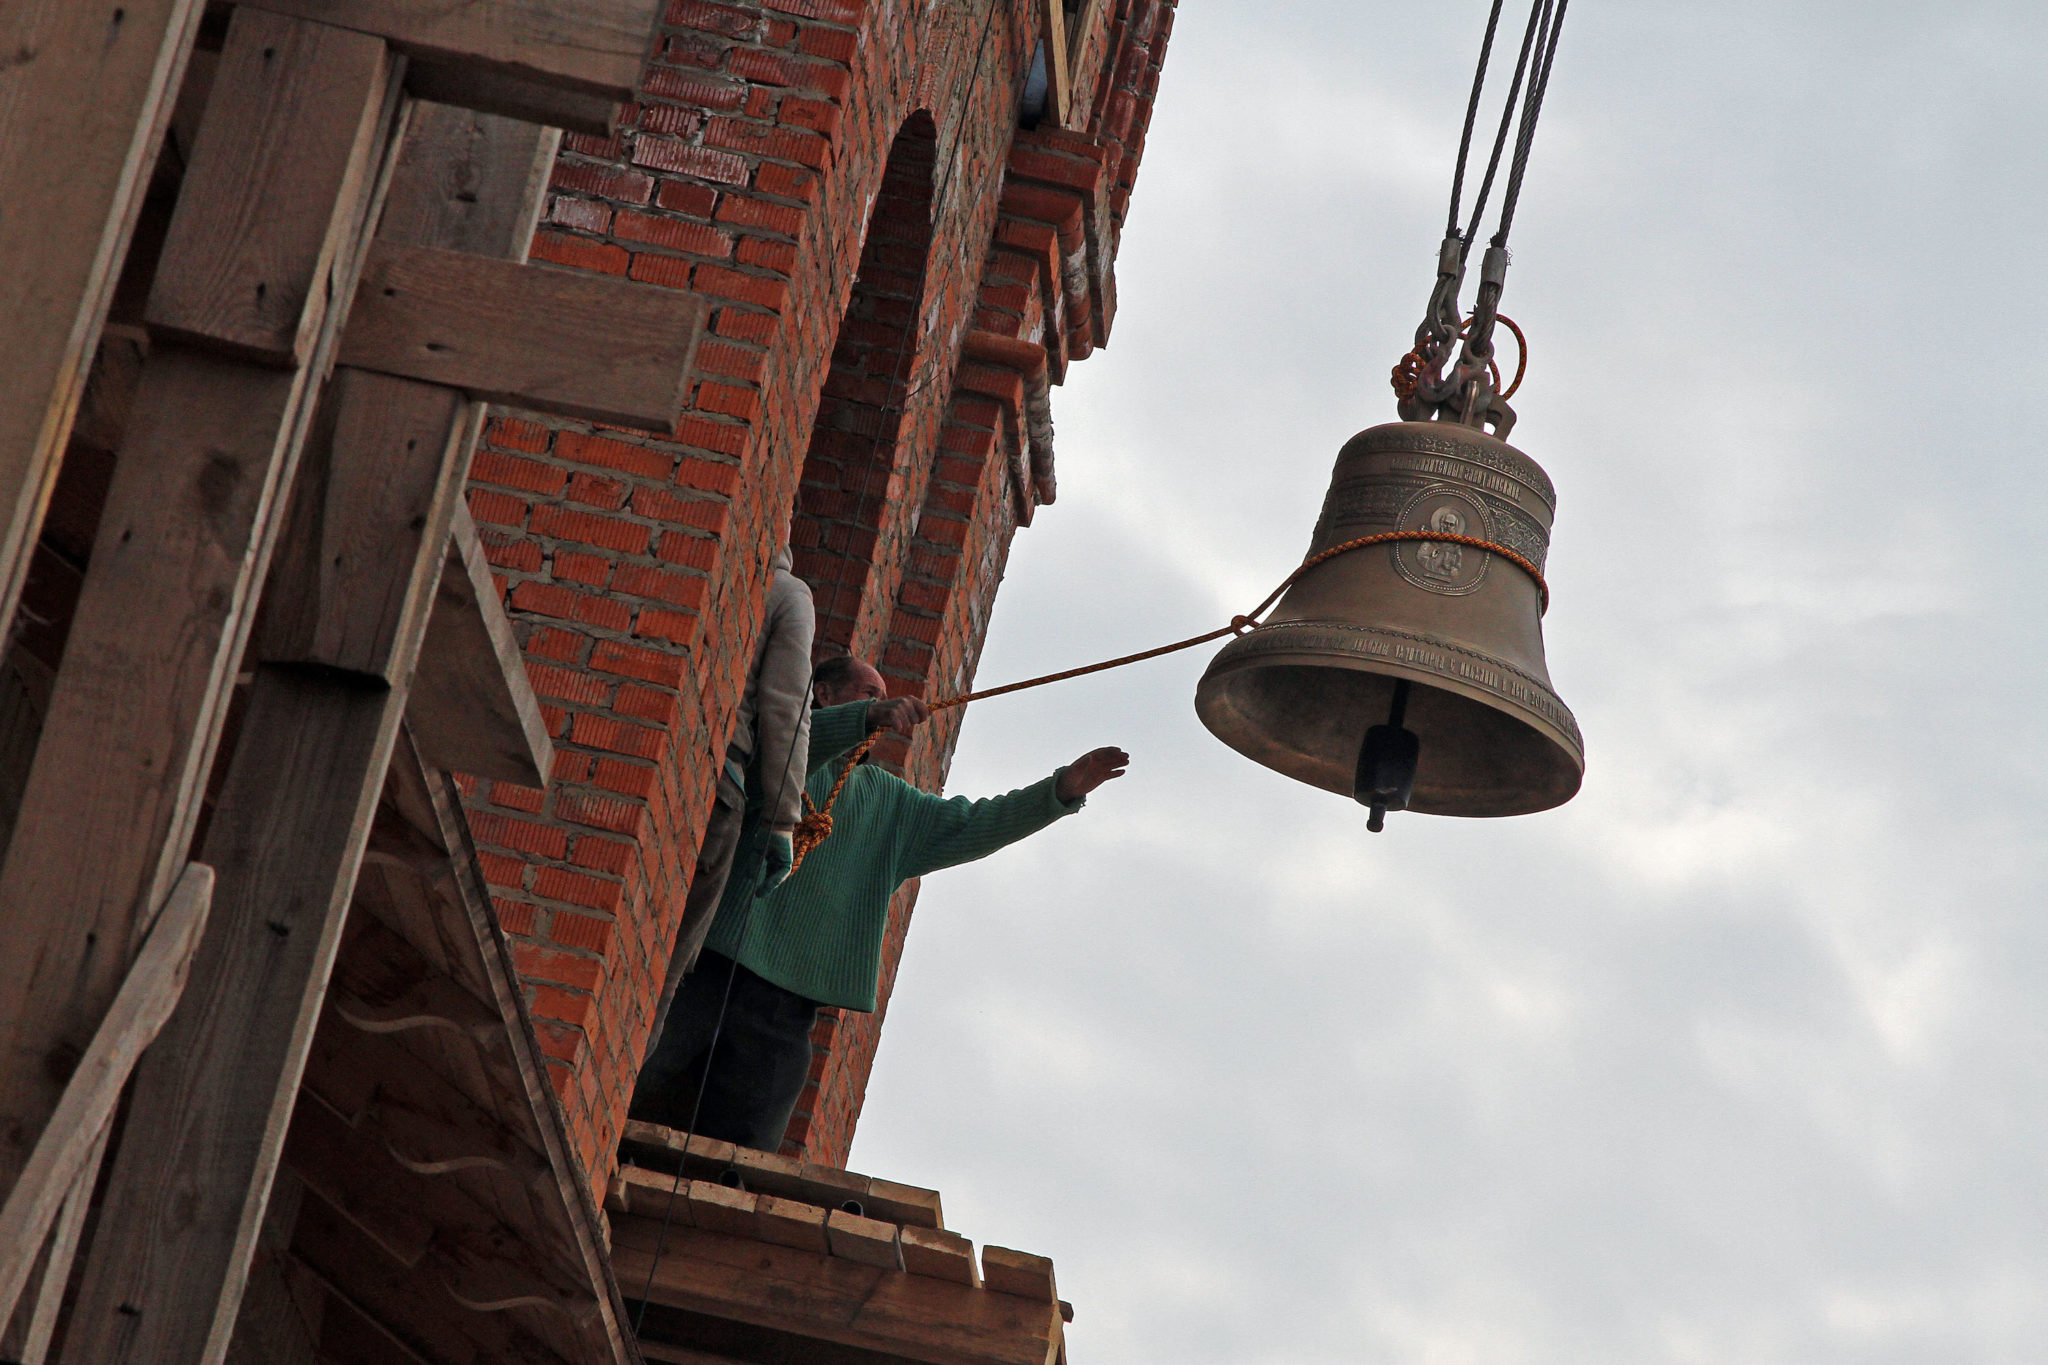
(1441, 638)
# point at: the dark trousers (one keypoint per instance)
(757, 1072)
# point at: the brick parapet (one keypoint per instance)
(767, 140)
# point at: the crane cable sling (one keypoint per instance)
(816, 825)
(1539, 39)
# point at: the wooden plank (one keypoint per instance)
(666, 1354)
(1059, 97)
(575, 344)
(283, 1311)
(331, 598)
(78, 1126)
(597, 46)
(472, 709)
(48, 1302)
(574, 1233)
(364, 1185)
(81, 119)
(514, 97)
(110, 804)
(826, 1186)
(293, 115)
(165, 1278)
(469, 181)
(401, 1300)
(422, 1121)
(828, 1298)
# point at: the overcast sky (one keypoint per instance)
(1737, 1059)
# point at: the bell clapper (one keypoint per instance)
(1386, 763)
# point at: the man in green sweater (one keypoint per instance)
(739, 1028)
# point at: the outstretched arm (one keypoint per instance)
(955, 831)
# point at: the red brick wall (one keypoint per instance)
(896, 274)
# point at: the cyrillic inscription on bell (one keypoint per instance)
(1461, 625)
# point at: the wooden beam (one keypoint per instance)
(1059, 97)
(570, 1215)
(164, 1281)
(660, 1148)
(55, 1280)
(472, 709)
(281, 1320)
(469, 182)
(289, 831)
(85, 92)
(243, 270)
(333, 601)
(108, 812)
(831, 1299)
(597, 46)
(495, 92)
(76, 1129)
(565, 342)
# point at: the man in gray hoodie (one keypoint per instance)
(760, 789)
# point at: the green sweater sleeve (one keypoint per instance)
(947, 832)
(834, 731)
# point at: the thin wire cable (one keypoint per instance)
(1539, 84)
(1507, 115)
(860, 503)
(1471, 116)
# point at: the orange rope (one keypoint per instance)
(1408, 369)
(816, 824)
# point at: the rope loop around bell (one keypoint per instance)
(816, 825)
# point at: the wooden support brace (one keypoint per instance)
(831, 1298)
(111, 801)
(513, 97)
(573, 344)
(597, 46)
(85, 92)
(241, 272)
(289, 830)
(55, 1281)
(62, 1167)
(472, 709)
(1059, 96)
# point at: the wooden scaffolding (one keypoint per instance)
(258, 264)
(268, 1087)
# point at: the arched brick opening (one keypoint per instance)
(854, 468)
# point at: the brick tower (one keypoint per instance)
(903, 216)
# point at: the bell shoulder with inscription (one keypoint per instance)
(1460, 626)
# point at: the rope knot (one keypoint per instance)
(812, 830)
(1243, 625)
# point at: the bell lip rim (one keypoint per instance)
(1574, 752)
(1574, 744)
